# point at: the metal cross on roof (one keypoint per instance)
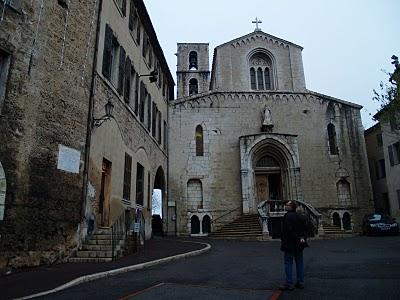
(257, 21)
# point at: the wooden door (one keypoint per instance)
(262, 187)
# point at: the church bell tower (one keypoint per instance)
(193, 69)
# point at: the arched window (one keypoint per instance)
(333, 149)
(343, 192)
(193, 60)
(253, 79)
(206, 224)
(260, 72)
(267, 79)
(260, 79)
(3, 186)
(193, 87)
(195, 225)
(199, 141)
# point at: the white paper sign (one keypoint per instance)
(68, 159)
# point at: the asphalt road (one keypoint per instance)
(351, 268)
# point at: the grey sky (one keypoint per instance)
(346, 42)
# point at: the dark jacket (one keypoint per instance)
(293, 229)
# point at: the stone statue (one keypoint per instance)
(267, 117)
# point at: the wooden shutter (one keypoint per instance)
(391, 157)
(123, 8)
(121, 71)
(108, 37)
(154, 120)
(131, 15)
(137, 86)
(127, 91)
(148, 112)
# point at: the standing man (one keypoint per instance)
(293, 241)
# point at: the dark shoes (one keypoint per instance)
(299, 286)
(286, 287)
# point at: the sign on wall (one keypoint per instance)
(68, 159)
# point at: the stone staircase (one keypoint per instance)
(246, 227)
(98, 248)
(333, 231)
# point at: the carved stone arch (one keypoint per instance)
(244, 98)
(257, 97)
(285, 98)
(277, 98)
(283, 149)
(251, 97)
(298, 98)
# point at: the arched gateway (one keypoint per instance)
(270, 169)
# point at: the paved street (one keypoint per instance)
(352, 268)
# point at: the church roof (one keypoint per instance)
(259, 33)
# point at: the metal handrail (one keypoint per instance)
(225, 214)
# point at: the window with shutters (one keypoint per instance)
(148, 106)
(145, 47)
(139, 184)
(165, 135)
(126, 195)
(3, 187)
(137, 93)
(134, 22)
(113, 60)
(121, 4)
(150, 58)
(154, 120)
(128, 80)
(143, 96)
(159, 126)
(199, 141)
(394, 154)
(4, 67)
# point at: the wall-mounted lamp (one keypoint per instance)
(153, 76)
(109, 109)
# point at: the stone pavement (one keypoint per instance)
(23, 283)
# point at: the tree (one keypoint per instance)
(388, 96)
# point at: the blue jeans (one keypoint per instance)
(298, 257)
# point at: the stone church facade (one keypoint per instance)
(255, 133)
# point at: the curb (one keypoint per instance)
(96, 276)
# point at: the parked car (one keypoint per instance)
(379, 224)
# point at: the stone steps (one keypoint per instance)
(244, 228)
(98, 248)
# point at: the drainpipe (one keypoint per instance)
(90, 116)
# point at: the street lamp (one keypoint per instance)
(153, 76)
(109, 109)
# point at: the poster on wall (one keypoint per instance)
(68, 159)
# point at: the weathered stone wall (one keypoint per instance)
(227, 116)
(46, 105)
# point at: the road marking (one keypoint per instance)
(275, 295)
(141, 292)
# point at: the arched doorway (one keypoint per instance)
(206, 224)
(194, 225)
(336, 219)
(270, 169)
(158, 203)
(268, 179)
(346, 221)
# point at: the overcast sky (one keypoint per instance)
(346, 42)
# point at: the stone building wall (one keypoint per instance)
(45, 106)
(225, 116)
